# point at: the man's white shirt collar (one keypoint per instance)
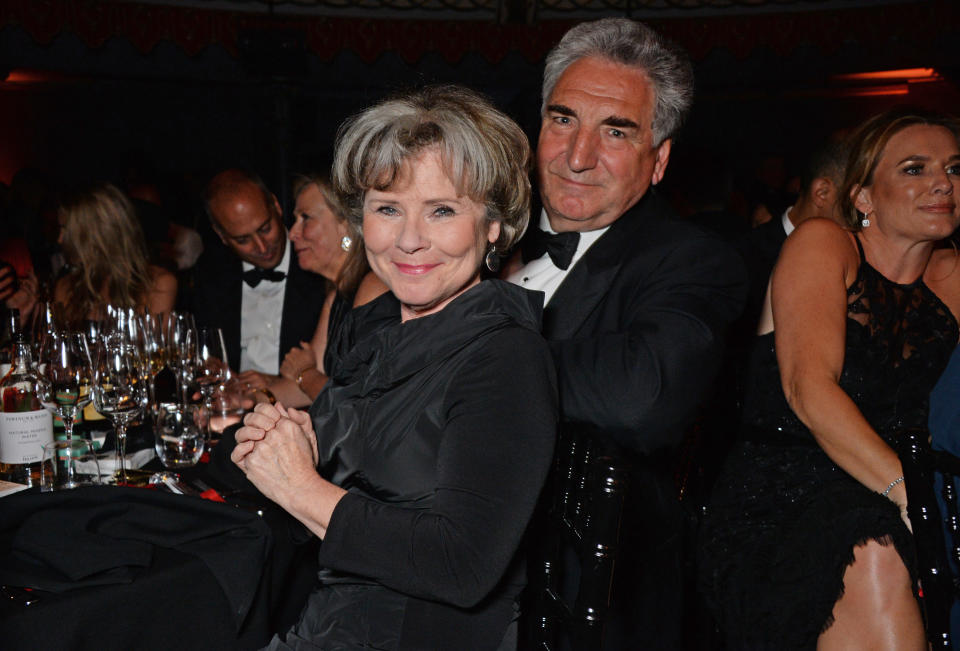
(787, 224)
(541, 274)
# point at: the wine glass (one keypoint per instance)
(178, 435)
(211, 363)
(44, 324)
(64, 376)
(181, 349)
(118, 391)
(68, 464)
(154, 345)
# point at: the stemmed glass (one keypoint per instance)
(118, 391)
(64, 376)
(181, 350)
(154, 346)
(211, 363)
(43, 325)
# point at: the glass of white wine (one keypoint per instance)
(64, 377)
(154, 345)
(118, 391)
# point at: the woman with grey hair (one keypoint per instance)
(420, 462)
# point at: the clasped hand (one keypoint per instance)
(277, 450)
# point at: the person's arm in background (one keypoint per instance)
(18, 293)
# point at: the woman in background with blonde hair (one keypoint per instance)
(105, 248)
(806, 541)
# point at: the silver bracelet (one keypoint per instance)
(896, 481)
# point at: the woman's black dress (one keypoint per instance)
(783, 518)
(442, 431)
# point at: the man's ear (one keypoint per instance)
(824, 194)
(276, 206)
(216, 229)
(660, 165)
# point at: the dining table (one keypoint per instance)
(128, 567)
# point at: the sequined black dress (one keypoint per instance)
(783, 519)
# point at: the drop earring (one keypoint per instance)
(346, 242)
(492, 260)
(865, 221)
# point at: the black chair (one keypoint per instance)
(939, 588)
(574, 544)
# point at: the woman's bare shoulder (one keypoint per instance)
(821, 230)
(162, 280)
(943, 277)
(821, 245)
(370, 288)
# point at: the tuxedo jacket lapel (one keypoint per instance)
(585, 287)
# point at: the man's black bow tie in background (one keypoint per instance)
(559, 246)
(255, 275)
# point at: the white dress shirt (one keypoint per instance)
(261, 312)
(787, 224)
(541, 274)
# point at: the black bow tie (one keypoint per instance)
(255, 275)
(559, 246)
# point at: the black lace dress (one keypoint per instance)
(783, 519)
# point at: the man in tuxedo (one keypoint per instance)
(820, 181)
(252, 287)
(637, 303)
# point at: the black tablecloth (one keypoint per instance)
(130, 568)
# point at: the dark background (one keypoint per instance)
(176, 90)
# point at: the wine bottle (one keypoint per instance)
(25, 426)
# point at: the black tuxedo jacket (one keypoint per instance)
(217, 287)
(760, 248)
(637, 331)
(637, 326)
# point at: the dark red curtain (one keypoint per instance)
(915, 25)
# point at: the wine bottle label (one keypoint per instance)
(23, 435)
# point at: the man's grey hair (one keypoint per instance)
(633, 44)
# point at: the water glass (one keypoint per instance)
(179, 435)
(68, 464)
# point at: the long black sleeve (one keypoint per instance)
(498, 438)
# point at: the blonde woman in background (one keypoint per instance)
(107, 254)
